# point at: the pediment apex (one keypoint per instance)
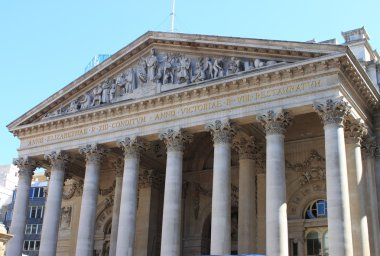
(186, 48)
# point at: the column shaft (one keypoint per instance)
(373, 219)
(85, 239)
(171, 221)
(128, 207)
(115, 214)
(221, 200)
(339, 220)
(276, 215)
(49, 236)
(357, 190)
(247, 206)
(19, 215)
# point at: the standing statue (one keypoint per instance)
(112, 92)
(207, 67)
(183, 74)
(106, 85)
(217, 70)
(152, 65)
(199, 74)
(129, 86)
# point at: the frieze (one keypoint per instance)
(159, 72)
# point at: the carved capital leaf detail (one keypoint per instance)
(333, 111)
(58, 159)
(132, 146)
(175, 140)
(246, 147)
(369, 147)
(355, 131)
(93, 152)
(26, 166)
(275, 122)
(221, 131)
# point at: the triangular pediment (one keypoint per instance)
(160, 62)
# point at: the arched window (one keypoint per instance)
(316, 209)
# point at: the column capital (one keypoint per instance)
(275, 122)
(246, 147)
(26, 165)
(333, 111)
(369, 147)
(222, 131)
(355, 131)
(132, 146)
(58, 159)
(175, 139)
(93, 152)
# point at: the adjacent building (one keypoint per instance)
(184, 144)
(34, 214)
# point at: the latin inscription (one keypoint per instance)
(184, 111)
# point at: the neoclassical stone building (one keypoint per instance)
(188, 144)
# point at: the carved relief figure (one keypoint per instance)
(106, 91)
(112, 91)
(258, 63)
(183, 74)
(120, 81)
(73, 106)
(84, 101)
(168, 71)
(142, 71)
(129, 86)
(199, 74)
(97, 96)
(233, 66)
(207, 67)
(152, 65)
(217, 70)
(65, 217)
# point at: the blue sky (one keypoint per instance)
(47, 44)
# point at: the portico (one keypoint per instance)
(216, 158)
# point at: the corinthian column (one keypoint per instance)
(222, 133)
(355, 131)
(26, 169)
(171, 220)
(332, 113)
(275, 124)
(127, 217)
(247, 194)
(369, 148)
(49, 236)
(118, 165)
(85, 241)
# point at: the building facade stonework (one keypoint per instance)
(192, 145)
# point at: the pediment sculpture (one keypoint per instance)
(159, 72)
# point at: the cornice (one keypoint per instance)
(292, 50)
(203, 90)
